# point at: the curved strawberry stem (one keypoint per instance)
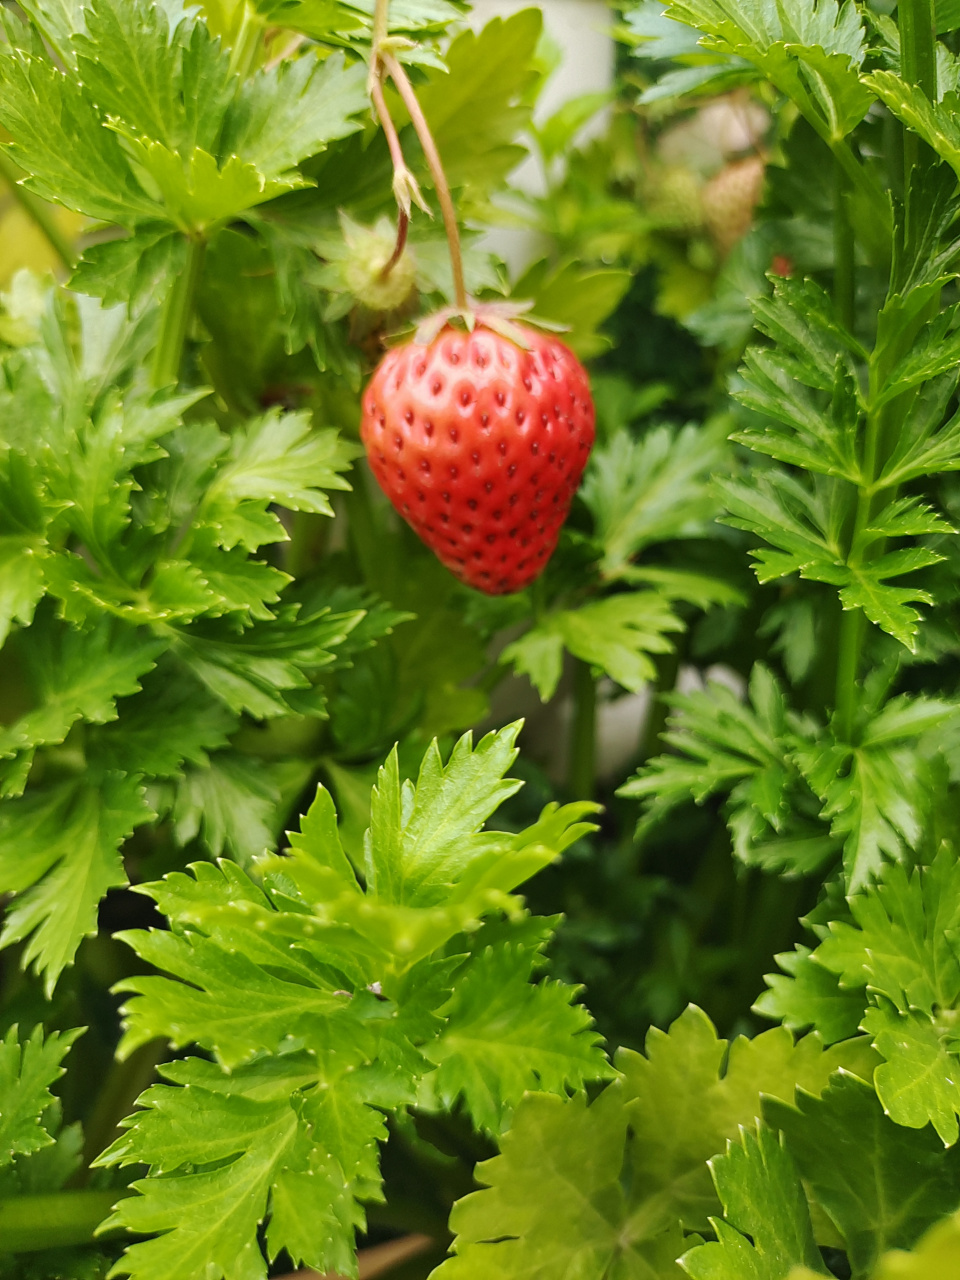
(419, 121)
(405, 188)
(403, 224)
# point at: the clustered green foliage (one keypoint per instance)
(187, 647)
(325, 1003)
(838, 764)
(209, 624)
(150, 610)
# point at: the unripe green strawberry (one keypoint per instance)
(355, 266)
(675, 199)
(729, 199)
(480, 445)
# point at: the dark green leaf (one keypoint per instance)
(763, 1198)
(882, 1185)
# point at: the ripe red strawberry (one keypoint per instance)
(480, 445)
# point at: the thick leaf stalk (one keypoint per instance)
(176, 315)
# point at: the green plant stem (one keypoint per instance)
(668, 666)
(243, 55)
(918, 44)
(583, 741)
(175, 317)
(442, 187)
(39, 212)
(31, 1223)
(844, 296)
(918, 65)
(362, 529)
(403, 179)
(844, 263)
(538, 599)
(848, 661)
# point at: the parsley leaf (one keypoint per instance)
(627, 1175)
(325, 1001)
(882, 1185)
(28, 1067)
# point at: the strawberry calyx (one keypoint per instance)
(501, 317)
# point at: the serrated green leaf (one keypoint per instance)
(196, 192)
(171, 721)
(622, 1173)
(247, 1141)
(21, 580)
(873, 821)
(424, 838)
(882, 1185)
(58, 21)
(901, 947)
(877, 795)
(803, 522)
(800, 318)
(811, 54)
(61, 856)
(719, 745)
(937, 351)
(318, 999)
(479, 105)
(173, 590)
(144, 68)
(799, 521)
(293, 111)
(764, 1199)
(504, 1037)
(906, 517)
(230, 583)
(133, 270)
(262, 669)
(793, 391)
(807, 995)
(150, 123)
(676, 1131)
(899, 942)
(275, 459)
(536, 1219)
(651, 490)
(41, 108)
(24, 517)
(265, 971)
(77, 675)
(890, 608)
(935, 122)
(917, 1083)
(237, 1008)
(616, 634)
(230, 802)
(28, 1067)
